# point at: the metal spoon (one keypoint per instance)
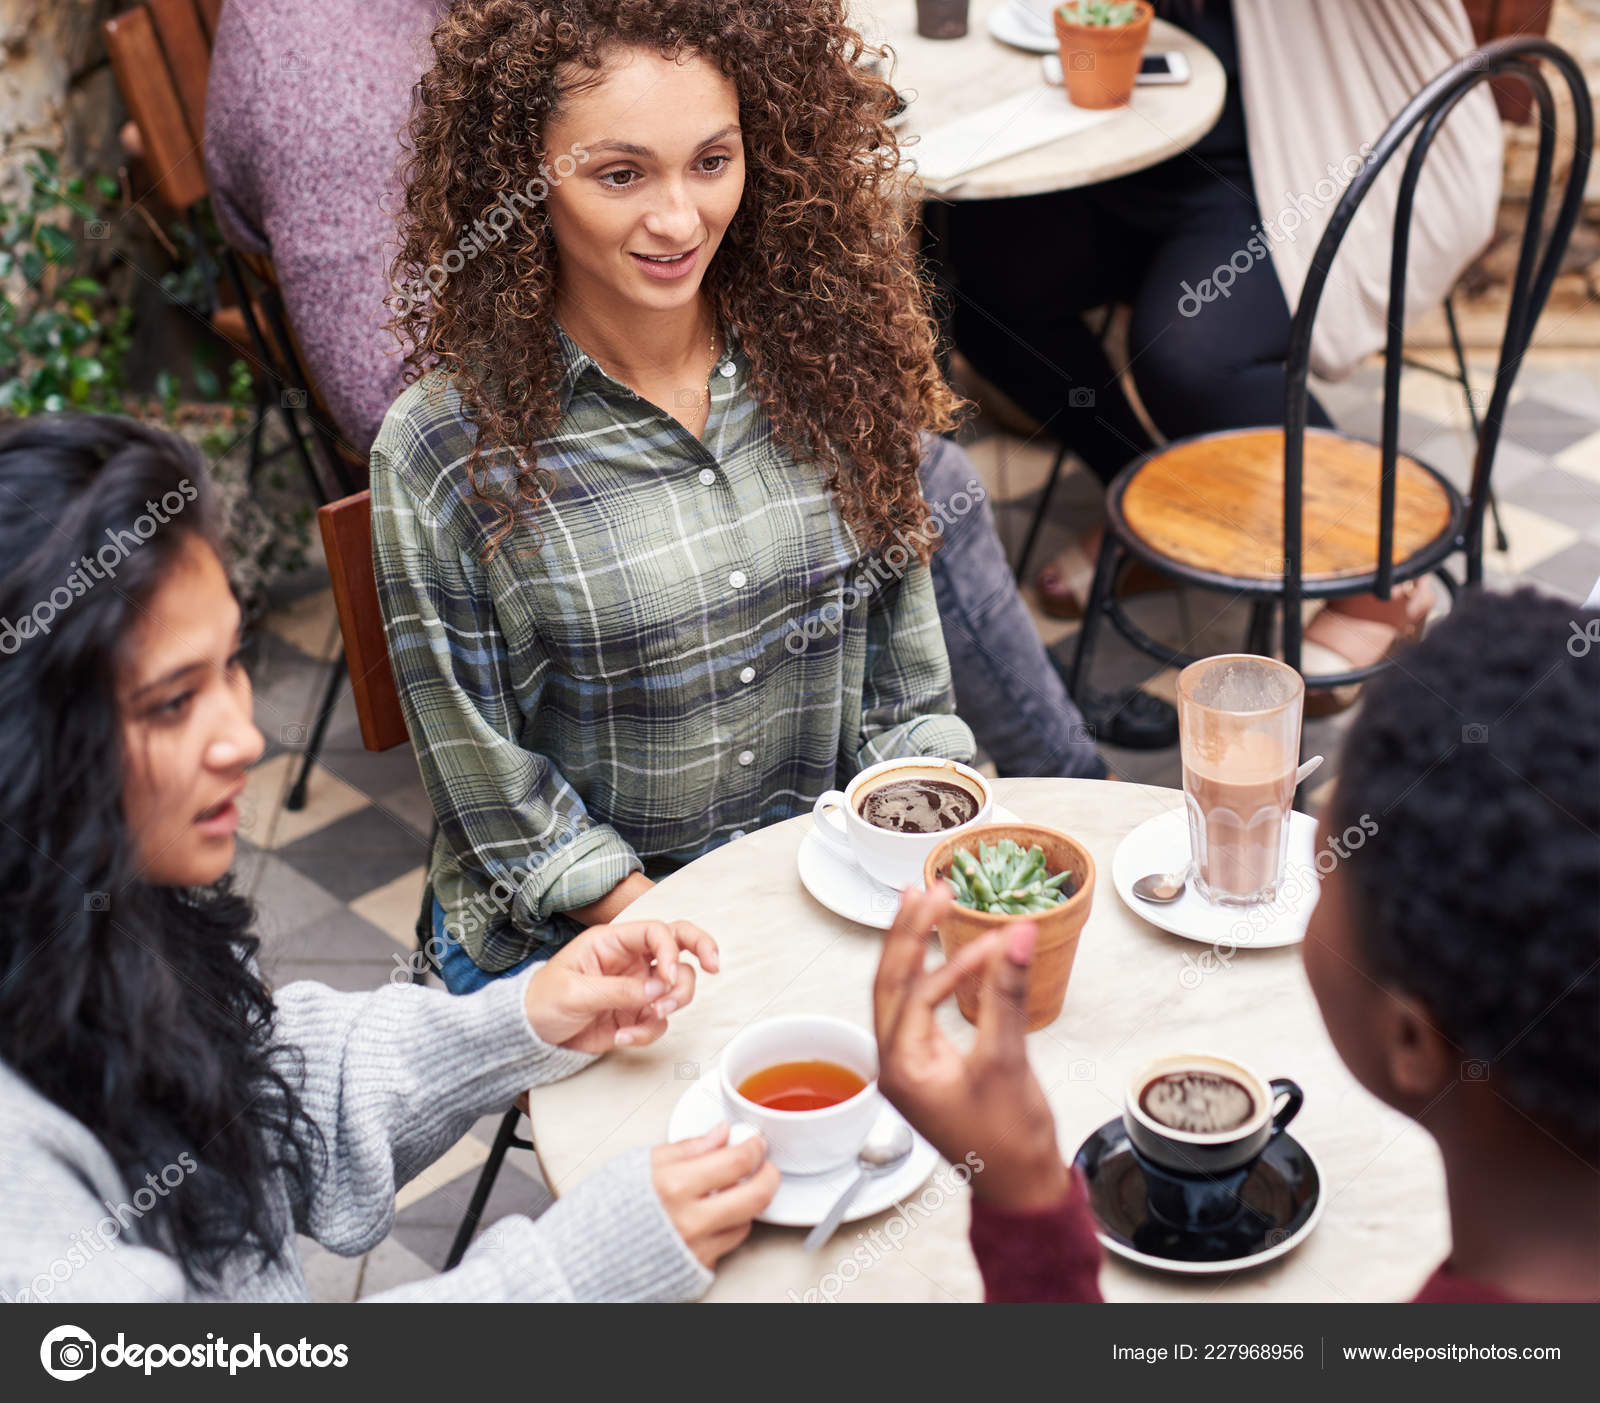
(885, 1150)
(1163, 887)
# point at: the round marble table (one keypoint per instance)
(1133, 994)
(954, 77)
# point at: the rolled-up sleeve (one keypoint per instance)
(516, 828)
(907, 701)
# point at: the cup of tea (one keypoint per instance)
(809, 1084)
(892, 815)
(1239, 733)
(1195, 1113)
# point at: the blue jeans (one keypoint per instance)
(1006, 688)
(460, 974)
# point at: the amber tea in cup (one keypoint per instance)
(801, 1086)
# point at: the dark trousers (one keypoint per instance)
(1206, 351)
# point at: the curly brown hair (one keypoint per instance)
(818, 271)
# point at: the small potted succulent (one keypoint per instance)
(1003, 873)
(1102, 43)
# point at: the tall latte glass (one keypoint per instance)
(1239, 730)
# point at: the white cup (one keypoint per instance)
(895, 859)
(805, 1142)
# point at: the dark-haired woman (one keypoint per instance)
(649, 540)
(167, 1122)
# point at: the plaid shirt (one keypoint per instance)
(682, 643)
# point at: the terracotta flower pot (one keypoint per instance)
(1059, 928)
(1100, 64)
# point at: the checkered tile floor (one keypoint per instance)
(338, 883)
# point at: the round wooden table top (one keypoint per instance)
(1136, 991)
(952, 78)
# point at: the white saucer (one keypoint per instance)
(848, 891)
(803, 1200)
(1161, 844)
(1008, 28)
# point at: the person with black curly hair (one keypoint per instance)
(1455, 958)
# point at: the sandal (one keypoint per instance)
(1063, 585)
(1359, 632)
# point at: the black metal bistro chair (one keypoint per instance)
(1282, 515)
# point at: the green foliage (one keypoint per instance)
(1099, 14)
(1007, 879)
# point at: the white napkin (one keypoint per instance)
(1019, 123)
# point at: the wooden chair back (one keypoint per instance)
(347, 541)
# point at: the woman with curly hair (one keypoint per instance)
(169, 1121)
(647, 525)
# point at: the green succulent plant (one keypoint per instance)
(1099, 14)
(1007, 879)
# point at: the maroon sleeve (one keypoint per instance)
(1445, 1287)
(1051, 1255)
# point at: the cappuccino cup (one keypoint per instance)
(892, 815)
(1192, 1113)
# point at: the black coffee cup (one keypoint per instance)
(1272, 1105)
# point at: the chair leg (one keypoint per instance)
(1105, 574)
(1258, 639)
(1040, 512)
(330, 699)
(480, 1194)
(1291, 639)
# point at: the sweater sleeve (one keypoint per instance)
(608, 1240)
(392, 1079)
(1051, 1255)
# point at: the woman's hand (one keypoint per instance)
(698, 1183)
(986, 1102)
(613, 986)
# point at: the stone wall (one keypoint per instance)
(56, 87)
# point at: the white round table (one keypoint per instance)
(1383, 1227)
(954, 77)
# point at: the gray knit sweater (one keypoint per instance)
(392, 1078)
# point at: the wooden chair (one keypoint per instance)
(347, 542)
(161, 56)
(1280, 515)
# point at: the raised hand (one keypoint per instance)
(986, 1102)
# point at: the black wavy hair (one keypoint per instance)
(1478, 757)
(136, 1008)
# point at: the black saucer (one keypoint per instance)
(1278, 1203)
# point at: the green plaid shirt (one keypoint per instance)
(683, 643)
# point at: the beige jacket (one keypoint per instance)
(1321, 80)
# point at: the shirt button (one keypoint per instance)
(707, 477)
(747, 757)
(726, 370)
(747, 674)
(737, 579)
(737, 833)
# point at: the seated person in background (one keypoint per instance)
(306, 103)
(138, 1041)
(648, 537)
(1210, 249)
(1464, 933)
